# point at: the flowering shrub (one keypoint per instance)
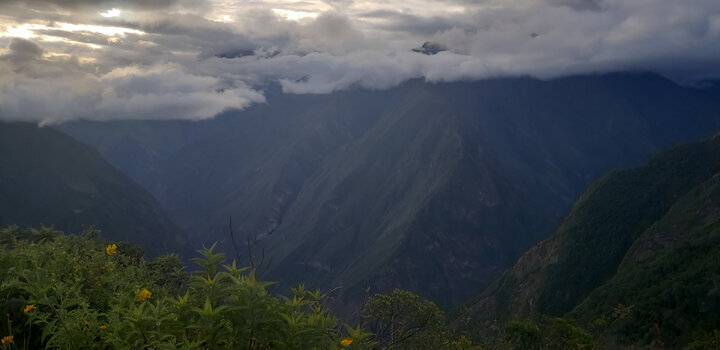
(142, 294)
(111, 249)
(76, 292)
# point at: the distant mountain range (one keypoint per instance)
(639, 250)
(47, 177)
(435, 188)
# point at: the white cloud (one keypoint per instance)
(111, 13)
(189, 59)
(63, 90)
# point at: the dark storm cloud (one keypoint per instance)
(192, 32)
(93, 4)
(23, 50)
(189, 59)
(398, 21)
(579, 5)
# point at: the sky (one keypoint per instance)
(62, 60)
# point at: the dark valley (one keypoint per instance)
(434, 188)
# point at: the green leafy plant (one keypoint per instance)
(76, 292)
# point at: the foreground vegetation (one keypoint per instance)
(78, 292)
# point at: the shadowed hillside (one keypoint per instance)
(47, 177)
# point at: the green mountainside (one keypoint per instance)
(636, 260)
(49, 178)
(431, 187)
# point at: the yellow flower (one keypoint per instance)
(102, 327)
(142, 294)
(29, 308)
(111, 249)
(86, 324)
(347, 341)
(7, 340)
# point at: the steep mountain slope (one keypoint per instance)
(670, 276)
(639, 248)
(434, 187)
(48, 178)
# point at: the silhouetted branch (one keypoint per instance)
(250, 254)
(254, 264)
(232, 237)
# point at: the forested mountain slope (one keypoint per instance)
(47, 177)
(640, 248)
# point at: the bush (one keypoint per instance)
(707, 341)
(547, 333)
(404, 320)
(74, 292)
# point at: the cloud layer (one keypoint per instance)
(132, 59)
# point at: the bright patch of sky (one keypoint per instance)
(111, 13)
(295, 15)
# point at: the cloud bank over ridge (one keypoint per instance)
(182, 59)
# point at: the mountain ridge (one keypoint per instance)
(46, 177)
(634, 245)
(301, 174)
